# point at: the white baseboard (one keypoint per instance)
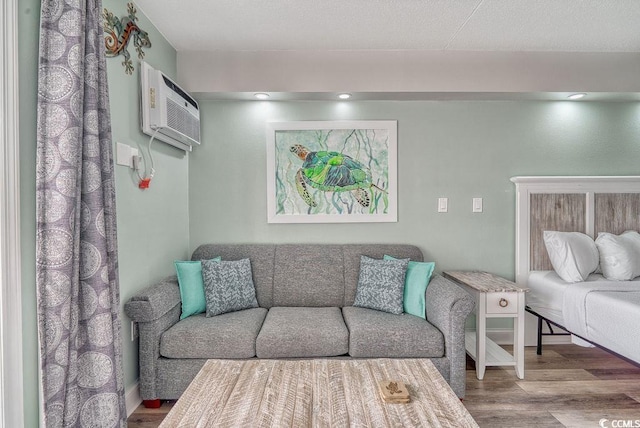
(132, 398)
(504, 336)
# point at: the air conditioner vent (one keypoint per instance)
(168, 109)
(182, 121)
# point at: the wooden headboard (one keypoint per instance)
(570, 204)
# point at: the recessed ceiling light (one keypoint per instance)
(261, 96)
(577, 96)
(344, 96)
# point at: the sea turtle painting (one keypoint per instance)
(331, 171)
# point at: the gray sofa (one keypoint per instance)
(305, 293)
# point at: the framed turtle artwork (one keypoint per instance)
(332, 171)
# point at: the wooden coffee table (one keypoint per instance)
(316, 393)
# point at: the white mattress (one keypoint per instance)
(612, 318)
(547, 290)
(545, 294)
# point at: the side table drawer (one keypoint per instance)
(502, 303)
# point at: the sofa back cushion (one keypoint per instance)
(308, 275)
(305, 274)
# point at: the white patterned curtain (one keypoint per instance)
(76, 251)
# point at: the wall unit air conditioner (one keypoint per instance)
(167, 112)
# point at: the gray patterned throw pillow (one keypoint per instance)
(228, 286)
(381, 284)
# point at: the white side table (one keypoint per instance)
(495, 297)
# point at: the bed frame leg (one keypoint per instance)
(539, 347)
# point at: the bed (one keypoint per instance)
(595, 310)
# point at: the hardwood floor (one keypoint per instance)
(567, 386)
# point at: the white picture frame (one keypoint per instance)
(332, 171)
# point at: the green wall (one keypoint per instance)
(453, 149)
(153, 225)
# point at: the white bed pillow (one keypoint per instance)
(619, 255)
(573, 255)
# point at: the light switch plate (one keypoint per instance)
(477, 205)
(123, 154)
(443, 205)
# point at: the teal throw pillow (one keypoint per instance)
(191, 287)
(415, 285)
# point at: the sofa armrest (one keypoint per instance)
(154, 301)
(448, 306)
(155, 309)
(149, 351)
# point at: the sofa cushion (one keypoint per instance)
(381, 284)
(308, 275)
(290, 332)
(376, 334)
(228, 286)
(264, 261)
(231, 335)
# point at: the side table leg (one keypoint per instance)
(518, 337)
(481, 336)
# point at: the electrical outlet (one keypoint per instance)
(134, 331)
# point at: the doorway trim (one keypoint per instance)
(11, 370)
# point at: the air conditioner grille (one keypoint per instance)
(182, 121)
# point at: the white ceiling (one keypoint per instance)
(404, 49)
(467, 25)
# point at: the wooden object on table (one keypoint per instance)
(318, 393)
(393, 391)
(496, 297)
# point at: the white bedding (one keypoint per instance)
(546, 289)
(602, 311)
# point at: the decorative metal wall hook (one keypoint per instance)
(118, 33)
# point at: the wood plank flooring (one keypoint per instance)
(567, 386)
